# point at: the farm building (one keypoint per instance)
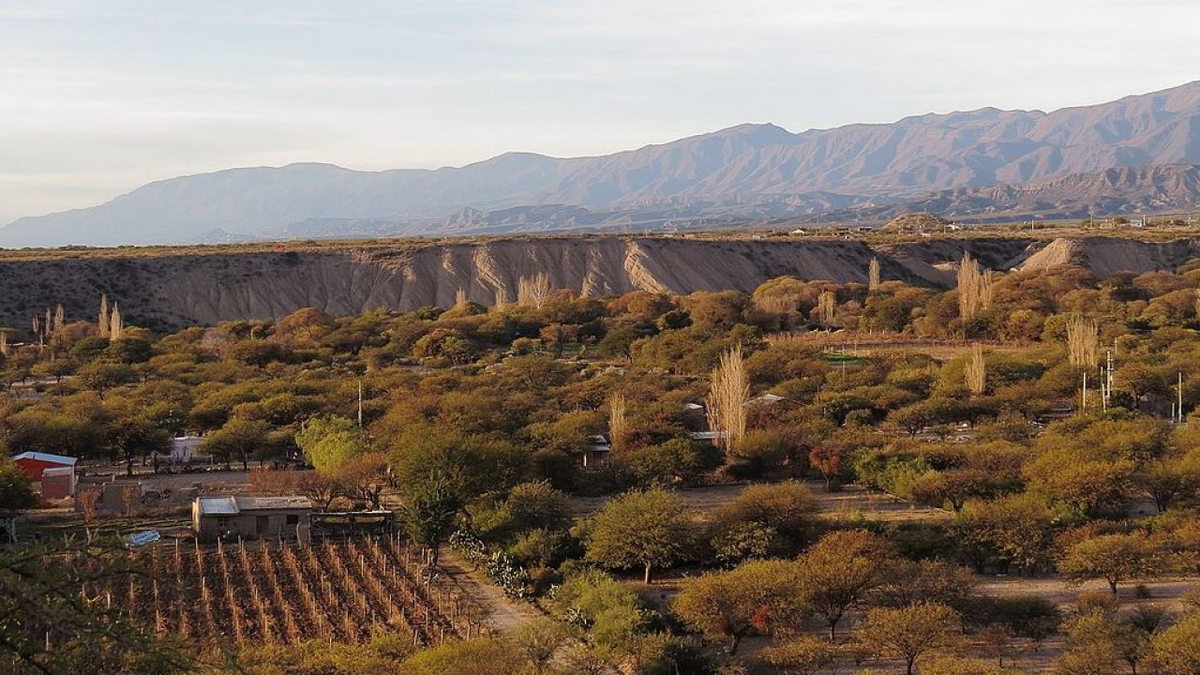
(250, 517)
(53, 476)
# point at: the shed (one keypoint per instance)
(43, 467)
(598, 450)
(250, 517)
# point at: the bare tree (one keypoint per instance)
(618, 425)
(826, 307)
(534, 291)
(1083, 341)
(974, 288)
(976, 371)
(727, 398)
(115, 326)
(103, 322)
(501, 298)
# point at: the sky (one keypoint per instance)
(99, 97)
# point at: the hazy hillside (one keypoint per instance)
(885, 161)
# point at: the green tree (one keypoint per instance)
(239, 438)
(908, 633)
(430, 509)
(786, 510)
(649, 528)
(15, 491)
(330, 442)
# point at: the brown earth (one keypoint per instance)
(169, 288)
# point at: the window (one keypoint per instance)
(293, 520)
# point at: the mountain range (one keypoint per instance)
(982, 163)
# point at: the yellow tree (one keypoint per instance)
(908, 633)
(756, 595)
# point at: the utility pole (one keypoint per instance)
(1084, 407)
(360, 401)
(1179, 392)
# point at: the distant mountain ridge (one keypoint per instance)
(1122, 190)
(739, 170)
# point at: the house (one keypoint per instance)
(53, 476)
(250, 517)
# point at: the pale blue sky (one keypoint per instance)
(99, 97)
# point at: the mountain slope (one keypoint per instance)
(910, 157)
(1124, 190)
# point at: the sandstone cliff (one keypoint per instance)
(180, 287)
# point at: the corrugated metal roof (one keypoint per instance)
(217, 506)
(46, 457)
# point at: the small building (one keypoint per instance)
(53, 476)
(181, 451)
(598, 450)
(711, 437)
(250, 517)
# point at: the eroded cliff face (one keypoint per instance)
(175, 289)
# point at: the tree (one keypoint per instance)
(1016, 529)
(826, 458)
(15, 491)
(133, 437)
(805, 655)
(50, 627)
(787, 510)
(430, 508)
(838, 572)
(958, 665)
(728, 393)
(330, 442)
(758, 594)
(1096, 644)
(910, 632)
(1176, 651)
(649, 528)
(239, 438)
(362, 478)
(1169, 480)
(1112, 557)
